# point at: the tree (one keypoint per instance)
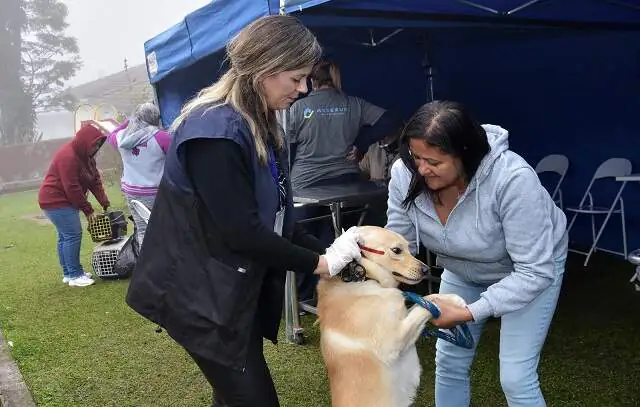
(46, 59)
(16, 112)
(49, 57)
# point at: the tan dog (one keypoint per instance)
(367, 334)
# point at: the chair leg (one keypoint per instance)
(635, 279)
(336, 216)
(429, 277)
(604, 224)
(594, 241)
(575, 215)
(624, 228)
(363, 215)
(293, 329)
(593, 232)
(586, 260)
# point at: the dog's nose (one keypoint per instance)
(424, 269)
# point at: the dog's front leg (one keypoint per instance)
(412, 326)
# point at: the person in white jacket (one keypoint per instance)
(500, 238)
(143, 145)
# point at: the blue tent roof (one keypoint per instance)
(549, 87)
(208, 29)
(201, 33)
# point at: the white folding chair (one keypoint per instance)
(611, 168)
(141, 210)
(559, 164)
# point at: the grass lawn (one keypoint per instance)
(85, 347)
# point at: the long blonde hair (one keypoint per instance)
(266, 47)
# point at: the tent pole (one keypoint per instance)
(478, 6)
(523, 6)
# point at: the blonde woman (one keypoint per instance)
(212, 266)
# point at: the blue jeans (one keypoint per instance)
(522, 334)
(67, 223)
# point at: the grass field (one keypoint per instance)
(85, 347)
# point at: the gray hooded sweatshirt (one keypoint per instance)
(505, 233)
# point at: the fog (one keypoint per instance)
(38, 104)
(108, 31)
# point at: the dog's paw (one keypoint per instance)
(452, 298)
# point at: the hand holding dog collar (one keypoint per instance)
(343, 250)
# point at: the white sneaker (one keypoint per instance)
(81, 281)
(65, 280)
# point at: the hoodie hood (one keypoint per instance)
(136, 133)
(85, 139)
(499, 142)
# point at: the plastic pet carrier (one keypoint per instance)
(104, 258)
(108, 226)
(116, 258)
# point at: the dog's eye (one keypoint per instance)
(396, 250)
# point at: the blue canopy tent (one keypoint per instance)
(561, 75)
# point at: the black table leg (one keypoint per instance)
(336, 216)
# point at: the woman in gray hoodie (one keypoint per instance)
(501, 240)
(142, 145)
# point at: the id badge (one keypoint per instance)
(279, 223)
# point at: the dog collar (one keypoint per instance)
(370, 250)
(353, 272)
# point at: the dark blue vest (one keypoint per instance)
(186, 278)
(225, 122)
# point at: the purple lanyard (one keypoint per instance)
(272, 165)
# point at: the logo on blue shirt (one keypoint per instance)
(307, 113)
(332, 111)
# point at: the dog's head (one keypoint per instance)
(387, 259)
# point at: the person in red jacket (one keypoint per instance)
(63, 194)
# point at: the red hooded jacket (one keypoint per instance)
(72, 173)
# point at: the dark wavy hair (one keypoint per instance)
(449, 127)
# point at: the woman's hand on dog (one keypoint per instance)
(341, 252)
(450, 314)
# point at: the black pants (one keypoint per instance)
(251, 388)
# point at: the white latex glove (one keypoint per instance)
(343, 250)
